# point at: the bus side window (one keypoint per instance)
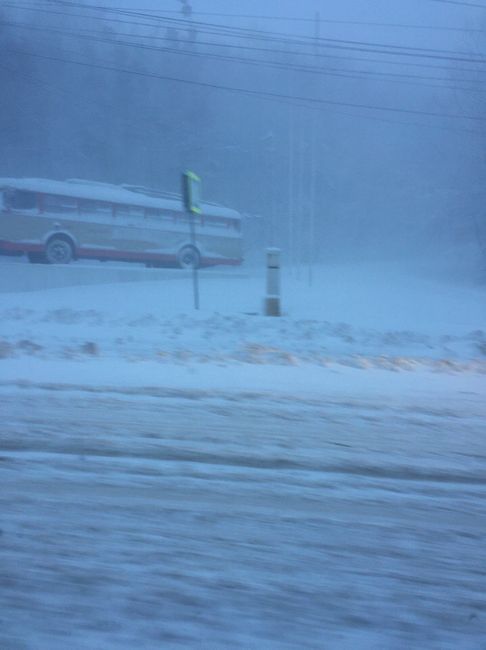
(130, 211)
(22, 200)
(217, 222)
(122, 210)
(55, 203)
(137, 211)
(153, 213)
(90, 207)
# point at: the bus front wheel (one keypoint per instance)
(59, 251)
(189, 258)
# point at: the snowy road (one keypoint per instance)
(172, 518)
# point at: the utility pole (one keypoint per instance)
(186, 10)
(191, 188)
(313, 174)
(291, 215)
(267, 144)
(300, 191)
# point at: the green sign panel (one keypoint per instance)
(191, 192)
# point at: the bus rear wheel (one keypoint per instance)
(189, 258)
(59, 251)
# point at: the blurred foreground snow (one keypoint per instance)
(215, 480)
(174, 519)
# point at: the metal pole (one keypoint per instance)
(313, 188)
(272, 299)
(291, 177)
(313, 198)
(195, 277)
(273, 211)
(301, 178)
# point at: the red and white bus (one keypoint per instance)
(60, 221)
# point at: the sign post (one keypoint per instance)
(272, 299)
(191, 196)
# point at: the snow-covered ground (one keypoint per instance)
(368, 316)
(216, 479)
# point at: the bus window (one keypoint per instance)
(153, 213)
(129, 211)
(22, 200)
(89, 207)
(217, 222)
(137, 211)
(122, 210)
(53, 203)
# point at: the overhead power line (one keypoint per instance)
(30, 79)
(204, 27)
(250, 92)
(334, 57)
(245, 33)
(337, 44)
(303, 19)
(345, 73)
(476, 5)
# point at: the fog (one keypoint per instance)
(247, 455)
(88, 93)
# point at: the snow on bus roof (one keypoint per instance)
(94, 190)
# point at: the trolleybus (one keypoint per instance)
(56, 222)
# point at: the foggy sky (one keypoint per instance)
(381, 175)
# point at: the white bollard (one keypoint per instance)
(272, 299)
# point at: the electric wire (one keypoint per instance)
(300, 19)
(267, 95)
(252, 92)
(332, 43)
(476, 5)
(295, 103)
(320, 55)
(404, 79)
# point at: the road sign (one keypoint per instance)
(191, 196)
(191, 192)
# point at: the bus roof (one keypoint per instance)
(81, 189)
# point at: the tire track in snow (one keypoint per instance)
(213, 522)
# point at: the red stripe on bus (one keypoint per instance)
(126, 255)
(20, 248)
(117, 255)
(151, 257)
